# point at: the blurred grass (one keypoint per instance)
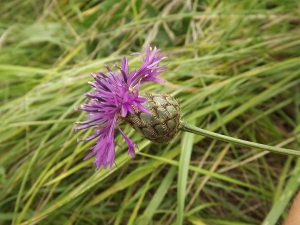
(234, 66)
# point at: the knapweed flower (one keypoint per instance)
(115, 96)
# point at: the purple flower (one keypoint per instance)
(115, 95)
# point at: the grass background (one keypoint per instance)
(234, 66)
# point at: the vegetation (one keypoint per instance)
(233, 65)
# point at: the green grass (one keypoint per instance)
(233, 65)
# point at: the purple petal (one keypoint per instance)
(104, 149)
(130, 143)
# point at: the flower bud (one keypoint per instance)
(162, 124)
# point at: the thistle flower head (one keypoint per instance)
(115, 96)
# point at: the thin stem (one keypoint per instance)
(196, 130)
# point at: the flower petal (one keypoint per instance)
(130, 143)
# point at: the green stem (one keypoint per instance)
(196, 130)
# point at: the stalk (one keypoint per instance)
(196, 130)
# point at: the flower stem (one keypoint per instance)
(196, 130)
